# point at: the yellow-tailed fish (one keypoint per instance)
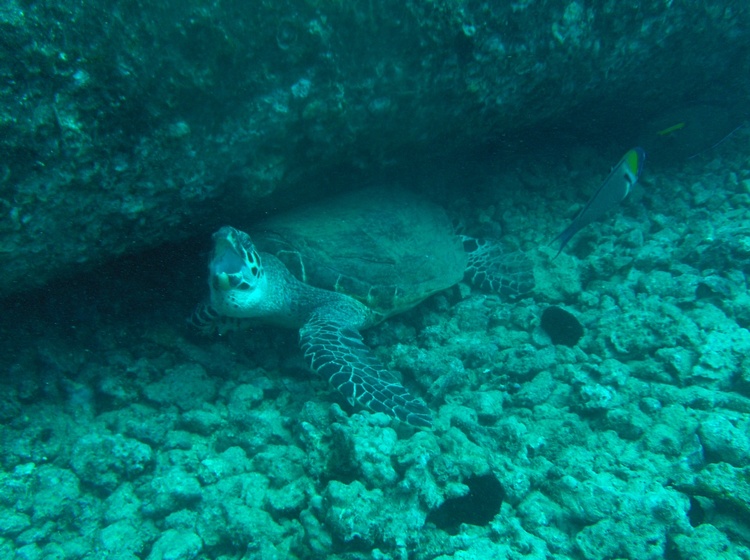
(670, 129)
(613, 191)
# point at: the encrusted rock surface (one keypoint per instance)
(125, 434)
(128, 127)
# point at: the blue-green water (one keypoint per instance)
(127, 435)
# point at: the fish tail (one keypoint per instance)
(563, 239)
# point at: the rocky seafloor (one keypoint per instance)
(125, 436)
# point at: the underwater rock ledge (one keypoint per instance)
(119, 126)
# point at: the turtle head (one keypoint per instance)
(236, 279)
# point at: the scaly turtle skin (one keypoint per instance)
(343, 265)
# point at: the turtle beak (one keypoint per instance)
(229, 261)
(225, 266)
(225, 282)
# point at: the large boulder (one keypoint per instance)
(126, 126)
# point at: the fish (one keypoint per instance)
(670, 129)
(615, 188)
(688, 131)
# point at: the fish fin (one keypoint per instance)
(564, 237)
(717, 143)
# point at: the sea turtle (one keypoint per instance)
(342, 265)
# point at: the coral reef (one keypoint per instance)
(131, 130)
(128, 436)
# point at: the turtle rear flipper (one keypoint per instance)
(492, 269)
(336, 351)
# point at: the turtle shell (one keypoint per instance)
(389, 249)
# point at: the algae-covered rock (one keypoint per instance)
(723, 441)
(122, 504)
(595, 398)
(537, 390)
(244, 398)
(547, 520)
(121, 538)
(6, 548)
(352, 513)
(258, 428)
(317, 538)
(524, 361)
(367, 450)
(55, 492)
(233, 513)
(29, 552)
(176, 545)
(13, 522)
(723, 483)
(638, 529)
(186, 386)
(229, 463)
(129, 146)
(250, 526)
(629, 423)
(706, 542)
(172, 490)
(203, 422)
(104, 460)
(665, 440)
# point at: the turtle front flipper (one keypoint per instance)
(336, 351)
(207, 321)
(492, 269)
